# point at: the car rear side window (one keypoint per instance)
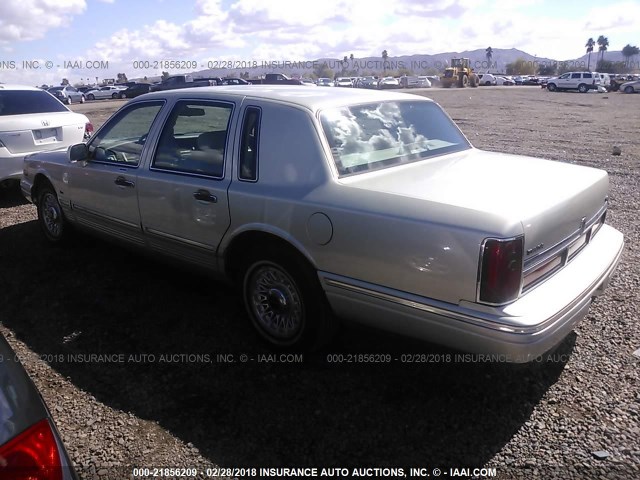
(20, 102)
(249, 141)
(194, 138)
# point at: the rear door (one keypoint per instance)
(183, 194)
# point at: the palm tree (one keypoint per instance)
(590, 44)
(629, 51)
(385, 55)
(489, 55)
(603, 43)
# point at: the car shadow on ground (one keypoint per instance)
(10, 196)
(97, 298)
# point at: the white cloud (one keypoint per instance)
(31, 19)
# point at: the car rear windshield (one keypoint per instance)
(19, 102)
(379, 135)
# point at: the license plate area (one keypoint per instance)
(46, 135)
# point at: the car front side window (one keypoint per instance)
(194, 138)
(122, 139)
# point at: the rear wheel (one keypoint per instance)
(114, 95)
(628, 89)
(68, 102)
(582, 88)
(284, 300)
(82, 99)
(50, 216)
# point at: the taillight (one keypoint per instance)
(88, 129)
(32, 455)
(500, 270)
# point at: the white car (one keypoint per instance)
(487, 79)
(110, 91)
(388, 82)
(324, 82)
(32, 120)
(343, 82)
(504, 81)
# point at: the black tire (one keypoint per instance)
(50, 216)
(582, 88)
(122, 96)
(628, 89)
(68, 102)
(551, 87)
(82, 99)
(91, 96)
(285, 302)
(114, 95)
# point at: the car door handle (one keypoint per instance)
(123, 182)
(205, 196)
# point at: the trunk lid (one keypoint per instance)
(553, 201)
(41, 131)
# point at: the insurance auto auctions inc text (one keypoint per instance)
(369, 472)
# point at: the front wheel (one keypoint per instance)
(582, 88)
(50, 216)
(628, 89)
(285, 302)
(123, 96)
(82, 99)
(68, 102)
(91, 96)
(551, 87)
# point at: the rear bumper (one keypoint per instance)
(518, 333)
(11, 164)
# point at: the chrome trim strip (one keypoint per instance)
(543, 256)
(93, 213)
(178, 239)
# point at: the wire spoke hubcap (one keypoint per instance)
(51, 215)
(275, 302)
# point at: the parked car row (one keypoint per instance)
(405, 81)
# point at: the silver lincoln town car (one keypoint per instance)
(350, 203)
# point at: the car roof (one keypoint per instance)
(311, 99)
(13, 86)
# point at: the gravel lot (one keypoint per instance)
(167, 398)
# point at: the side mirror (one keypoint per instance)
(77, 152)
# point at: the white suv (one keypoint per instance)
(581, 81)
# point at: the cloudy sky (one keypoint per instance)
(122, 32)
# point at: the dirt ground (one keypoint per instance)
(192, 407)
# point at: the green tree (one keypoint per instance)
(589, 46)
(385, 55)
(547, 69)
(64, 82)
(629, 51)
(603, 44)
(165, 75)
(122, 78)
(521, 67)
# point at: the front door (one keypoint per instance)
(183, 195)
(103, 190)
